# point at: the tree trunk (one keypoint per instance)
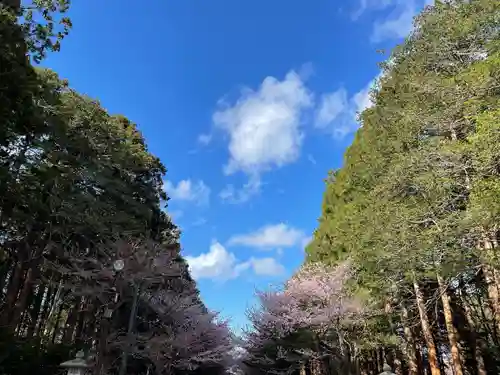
(426, 330)
(4, 274)
(363, 367)
(396, 362)
(11, 295)
(56, 325)
(23, 298)
(35, 311)
(410, 349)
(69, 329)
(450, 328)
(378, 356)
(45, 308)
(491, 278)
(475, 343)
(80, 324)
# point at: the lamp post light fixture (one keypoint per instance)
(77, 366)
(118, 264)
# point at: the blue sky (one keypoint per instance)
(248, 104)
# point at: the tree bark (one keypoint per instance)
(20, 305)
(56, 325)
(11, 295)
(410, 349)
(4, 274)
(80, 324)
(46, 303)
(475, 343)
(450, 328)
(426, 330)
(363, 367)
(378, 356)
(69, 329)
(491, 278)
(35, 311)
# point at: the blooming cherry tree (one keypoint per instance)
(301, 322)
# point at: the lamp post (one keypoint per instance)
(118, 265)
(77, 366)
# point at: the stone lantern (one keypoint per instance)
(387, 370)
(77, 366)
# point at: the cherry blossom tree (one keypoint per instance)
(147, 308)
(302, 323)
(188, 339)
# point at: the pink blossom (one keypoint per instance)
(310, 308)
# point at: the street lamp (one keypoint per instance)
(119, 265)
(77, 366)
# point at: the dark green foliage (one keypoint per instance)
(78, 187)
(419, 192)
(21, 356)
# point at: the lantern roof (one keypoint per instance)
(78, 362)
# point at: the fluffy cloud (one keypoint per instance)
(270, 237)
(330, 107)
(216, 263)
(220, 264)
(263, 127)
(232, 195)
(187, 190)
(365, 5)
(306, 241)
(397, 25)
(266, 267)
(337, 113)
(398, 21)
(362, 100)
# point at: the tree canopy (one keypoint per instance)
(414, 209)
(80, 191)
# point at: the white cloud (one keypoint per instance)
(266, 267)
(270, 236)
(397, 25)
(331, 106)
(217, 263)
(263, 126)
(220, 264)
(340, 114)
(306, 241)
(232, 195)
(311, 159)
(364, 5)
(187, 190)
(204, 139)
(362, 99)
